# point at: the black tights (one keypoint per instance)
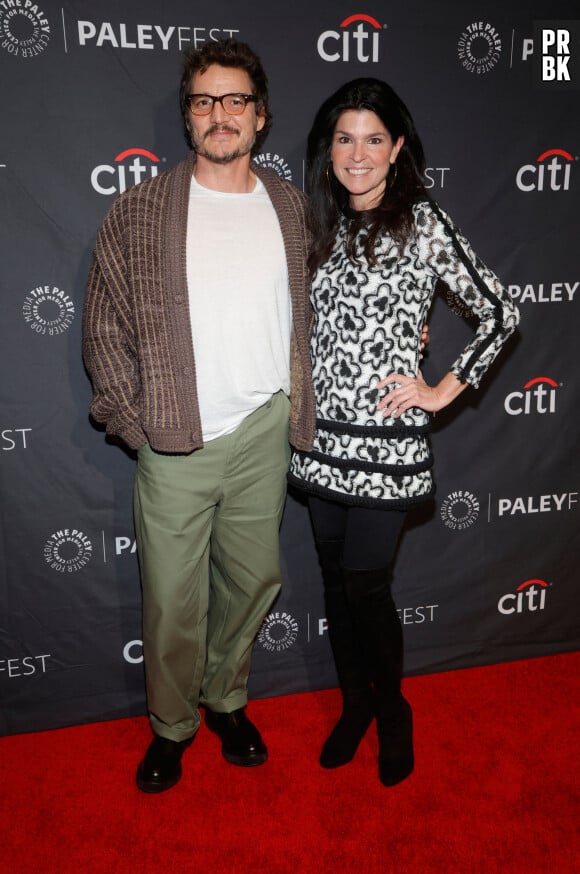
(370, 536)
(356, 547)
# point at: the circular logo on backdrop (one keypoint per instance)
(460, 510)
(278, 632)
(275, 163)
(24, 28)
(479, 47)
(48, 310)
(455, 303)
(68, 550)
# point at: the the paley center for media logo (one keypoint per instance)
(24, 28)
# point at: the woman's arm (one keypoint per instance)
(448, 256)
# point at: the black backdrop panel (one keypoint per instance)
(486, 572)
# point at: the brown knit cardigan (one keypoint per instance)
(137, 343)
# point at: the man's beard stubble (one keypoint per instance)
(221, 158)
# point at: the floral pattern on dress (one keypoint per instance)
(368, 321)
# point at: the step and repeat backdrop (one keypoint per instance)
(488, 571)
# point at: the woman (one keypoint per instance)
(379, 247)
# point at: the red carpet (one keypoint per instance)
(495, 789)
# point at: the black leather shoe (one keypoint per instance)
(241, 741)
(161, 767)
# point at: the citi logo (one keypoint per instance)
(356, 44)
(529, 597)
(551, 172)
(538, 396)
(133, 652)
(128, 169)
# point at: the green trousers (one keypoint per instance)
(207, 537)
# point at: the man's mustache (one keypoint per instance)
(220, 127)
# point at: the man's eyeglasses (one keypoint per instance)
(234, 104)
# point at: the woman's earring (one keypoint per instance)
(328, 179)
(394, 167)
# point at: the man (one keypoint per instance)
(196, 304)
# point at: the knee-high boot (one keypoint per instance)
(368, 594)
(354, 681)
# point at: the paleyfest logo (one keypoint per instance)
(148, 37)
(14, 438)
(358, 43)
(554, 292)
(25, 666)
(24, 28)
(529, 504)
(128, 169)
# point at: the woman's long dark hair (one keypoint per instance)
(329, 199)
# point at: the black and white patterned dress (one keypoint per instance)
(368, 323)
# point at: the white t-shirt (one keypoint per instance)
(239, 301)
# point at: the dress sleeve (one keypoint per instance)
(449, 256)
(109, 350)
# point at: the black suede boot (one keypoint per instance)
(395, 731)
(357, 699)
(377, 622)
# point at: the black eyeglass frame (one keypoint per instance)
(248, 98)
